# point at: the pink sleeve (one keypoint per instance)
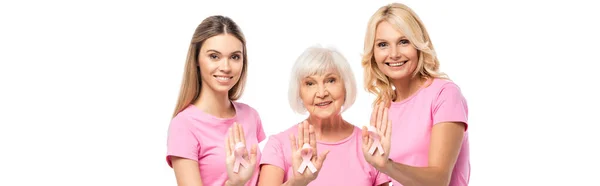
(260, 133)
(181, 141)
(272, 154)
(450, 106)
(381, 178)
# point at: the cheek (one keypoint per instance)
(305, 96)
(379, 55)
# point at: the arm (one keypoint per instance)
(272, 173)
(186, 171)
(446, 140)
(275, 177)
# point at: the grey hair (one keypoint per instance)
(317, 60)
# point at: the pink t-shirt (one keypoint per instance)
(345, 164)
(196, 135)
(413, 119)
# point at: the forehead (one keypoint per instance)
(385, 30)
(323, 73)
(224, 43)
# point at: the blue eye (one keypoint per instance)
(382, 44)
(404, 42)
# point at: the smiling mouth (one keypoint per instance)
(325, 103)
(396, 64)
(223, 78)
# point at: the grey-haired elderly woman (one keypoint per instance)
(324, 149)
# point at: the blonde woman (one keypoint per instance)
(427, 140)
(323, 84)
(210, 133)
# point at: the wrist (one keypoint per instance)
(386, 167)
(230, 183)
(296, 182)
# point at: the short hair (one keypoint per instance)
(317, 60)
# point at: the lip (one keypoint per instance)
(323, 106)
(223, 79)
(397, 67)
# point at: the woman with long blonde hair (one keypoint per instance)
(426, 142)
(210, 133)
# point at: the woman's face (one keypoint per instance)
(394, 54)
(323, 95)
(221, 60)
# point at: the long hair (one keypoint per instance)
(407, 22)
(191, 83)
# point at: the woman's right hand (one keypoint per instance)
(306, 135)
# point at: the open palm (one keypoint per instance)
(234, 136)
(383, 128)
(306, 135)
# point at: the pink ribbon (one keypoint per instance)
(376, 141)
(306, 155)
(238, 152)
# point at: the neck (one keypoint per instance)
(214, 103)
(407, 87)
(331, 129)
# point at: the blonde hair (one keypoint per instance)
(191, 83)
(317, 60)
(408, 23)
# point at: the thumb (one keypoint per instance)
(253, 154)
(323, 156)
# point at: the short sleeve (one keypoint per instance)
(181, 141)
(260, 133)
(450, 106)
(272, 154)
(381, 178)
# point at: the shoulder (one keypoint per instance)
(244, 108)
(283, 136)
(444, 88)
(183, 118)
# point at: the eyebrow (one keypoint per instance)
(379, 39)
(215, 51)
(326, 75)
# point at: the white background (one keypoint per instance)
(87, 88)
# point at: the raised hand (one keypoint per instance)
(305, 158)
(240, 167)
(379, 137)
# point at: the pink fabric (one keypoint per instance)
(345, 164)
(413, 119)
(196, 135)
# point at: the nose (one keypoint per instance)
(225, 66)
(322, 92)
(395, 52)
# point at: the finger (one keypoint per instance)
(253, 153)
(227, 145)
(374, 115)
(388, 131)
(313, 139)
(322, 158)
(379, 115)
(236, 134)
(365, 135)
(384, 121)
(306, 133)
(300, 134)
(231, 140)
(293, 143)
(242, 135)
